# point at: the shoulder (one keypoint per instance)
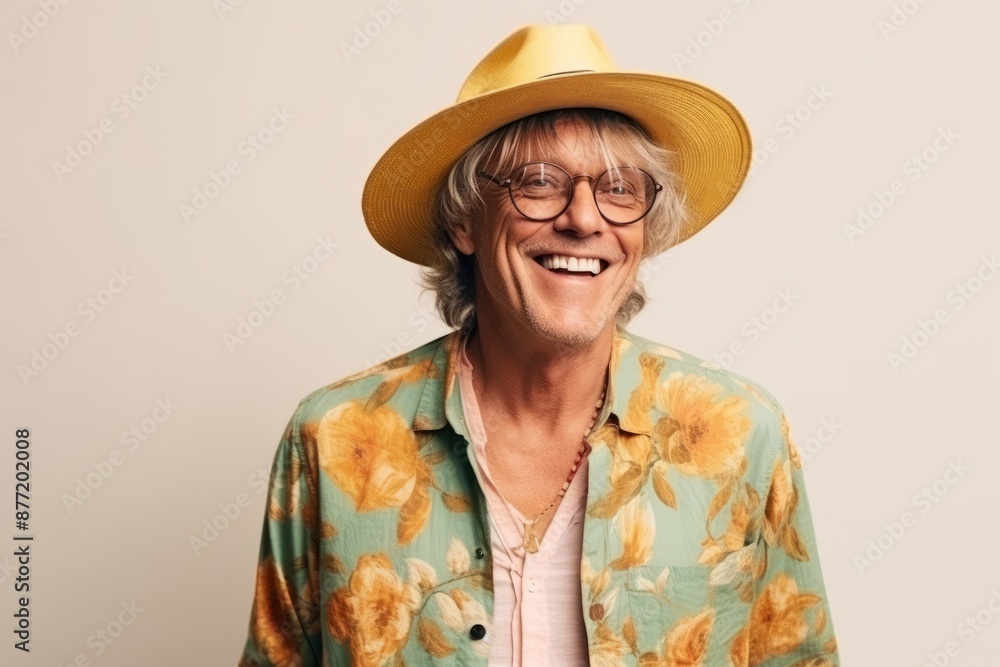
(676, 361)
(698, 394)
(406, 374)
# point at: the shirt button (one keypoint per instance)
(532, 586)
(477, 631)
(480, 553)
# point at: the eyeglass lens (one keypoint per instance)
(541, 190)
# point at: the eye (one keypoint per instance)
(619, 189)
(540, 180)
(622, 183)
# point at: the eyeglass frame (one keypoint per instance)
(507, 181)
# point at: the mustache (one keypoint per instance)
(535, 248)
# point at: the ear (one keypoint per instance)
(461, 236)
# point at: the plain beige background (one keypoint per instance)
(885, 82)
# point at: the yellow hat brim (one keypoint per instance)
(709, 134)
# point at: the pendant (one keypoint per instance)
(530, 539)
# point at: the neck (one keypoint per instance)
(539, 383)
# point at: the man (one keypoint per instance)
(541, 486)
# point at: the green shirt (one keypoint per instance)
(698, 548)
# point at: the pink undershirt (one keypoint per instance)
(537, 615)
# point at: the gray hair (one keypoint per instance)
(459, 198)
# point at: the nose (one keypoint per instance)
(581, 216)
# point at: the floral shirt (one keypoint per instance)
(698, 548)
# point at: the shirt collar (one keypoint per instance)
(441, 403)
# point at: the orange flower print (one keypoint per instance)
(631, 461)
(608, 647)
(793, 451)
(287, 500)
(271, 632)
(704, 434)
(374, 612)
(687, 643)
(779, 510)
(370, 454)
(632, 455)
(777, 621)
(641, 399)
(684, 645)
(637, 530)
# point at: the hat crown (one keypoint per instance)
(536, 52)
(539, 68)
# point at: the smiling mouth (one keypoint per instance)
(589, 266)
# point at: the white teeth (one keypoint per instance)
(575, 264)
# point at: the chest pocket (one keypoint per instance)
(453, 622)
(691, 609)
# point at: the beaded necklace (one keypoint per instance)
(530, 536)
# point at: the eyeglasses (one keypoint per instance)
(542, 191)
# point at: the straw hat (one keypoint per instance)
(538, 68)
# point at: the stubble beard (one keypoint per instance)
(566, 340)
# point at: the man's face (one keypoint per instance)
(514, 290)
